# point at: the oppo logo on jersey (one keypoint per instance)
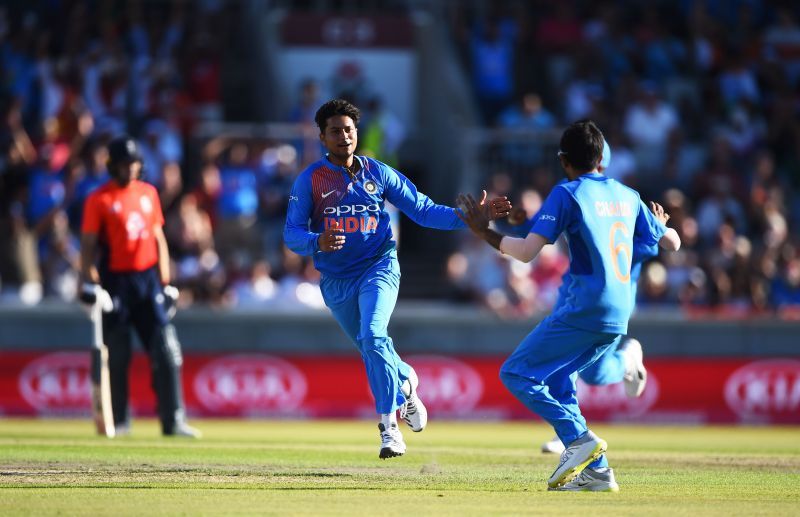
(354, 223)
(351, 209)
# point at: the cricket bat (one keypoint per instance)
(101, 380)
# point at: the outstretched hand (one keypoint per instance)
(332, 239)
(472, 213)
(659, 212)
(497, 207)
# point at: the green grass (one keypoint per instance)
(288, 468)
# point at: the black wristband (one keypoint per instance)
(492, 237)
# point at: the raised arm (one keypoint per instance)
(403, 194)
(670, 240)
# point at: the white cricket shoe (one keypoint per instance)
(554, 446)
(392, 443)
(576, 457)
(184, 430)
(592, 480)
(635, 378)
(413, 412)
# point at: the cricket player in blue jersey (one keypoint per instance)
(625, 363)
(336, 214)
(601, 218)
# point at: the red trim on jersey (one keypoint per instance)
(328, 187)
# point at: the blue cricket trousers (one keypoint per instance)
(608, 369)
(362, 306)
(542, 373)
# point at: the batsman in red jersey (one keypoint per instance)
(124, 254)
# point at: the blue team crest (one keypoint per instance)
(370, 187)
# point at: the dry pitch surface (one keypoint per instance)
(289, 468)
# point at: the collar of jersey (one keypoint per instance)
(341, 168)
(594, 175)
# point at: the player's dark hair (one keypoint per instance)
(582, 145)
(333, 108)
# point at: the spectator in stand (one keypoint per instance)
(558, 34)
(19, 259)
(305, 108)
(493, 51)
(303, 113)
(648, 125)
(786, 286)
(237, 205)
(714, 211)
(382, 133)
(59, 257)
(277, 172)
(737, 82)
(204, 76)
(528, 115)
(208, 191)
(95, 175)
(258, 290)
(298, 283)
(782, 43)
(198, 271)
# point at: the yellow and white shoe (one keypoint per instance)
(592, 480)
(577, 457)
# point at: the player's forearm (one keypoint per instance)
(301, 241)
(163, 262)
(88, 249)
(525, 249)
(492, 237)
(437, 217)
(670, 241)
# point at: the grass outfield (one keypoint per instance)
(285, 468)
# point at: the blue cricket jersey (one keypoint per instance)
(602, 219)
(324, 193)
(641, 253)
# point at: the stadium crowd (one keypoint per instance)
(698, 100)
(73, 75)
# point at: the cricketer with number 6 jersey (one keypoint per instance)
(324, 195)
(600, 217)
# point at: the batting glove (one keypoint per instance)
(171, 295)
(92, 293)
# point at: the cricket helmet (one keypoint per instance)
(123, 149)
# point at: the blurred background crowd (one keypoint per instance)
(699, 102)
(698, 99)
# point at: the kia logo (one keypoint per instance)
(57, 383)
(250, 384)
(447, 384)
(764, 388)
(612, 399)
